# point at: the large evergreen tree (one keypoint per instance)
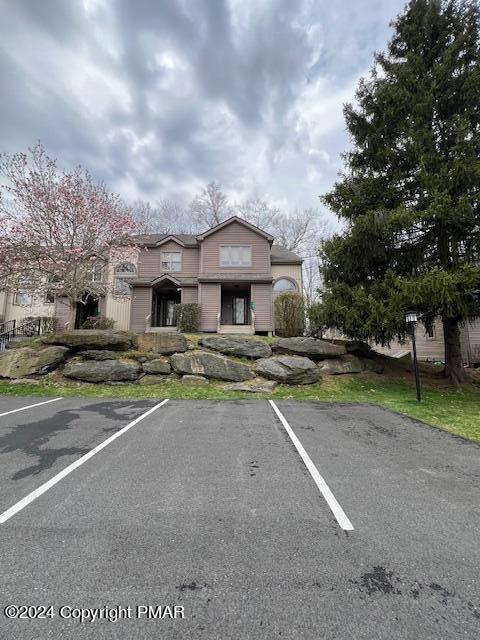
(409, 196)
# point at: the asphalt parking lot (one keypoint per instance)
(208, 506)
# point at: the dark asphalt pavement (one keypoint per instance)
(207, 505)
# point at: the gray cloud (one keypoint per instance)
(158, 97)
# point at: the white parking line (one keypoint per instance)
(323, 487)
(30, 406)
(6, 515)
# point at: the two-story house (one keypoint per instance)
(232, 270)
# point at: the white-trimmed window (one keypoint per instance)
(22, 295)
(123, 270)
(284, 284)
(96, 272)
(171, 260)
(235, 256)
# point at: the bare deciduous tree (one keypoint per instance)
(210, 207)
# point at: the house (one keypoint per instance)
(232, 270)
(430, 343)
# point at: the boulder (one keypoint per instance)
(257, 385)
(102, 371)
(97, 354)
(357, 347)
(288, 369)
(337, 366)
(164, 343)
(152, 379)
(23, 362)
(92, 339)
(311, 347)
(158, 365)
(188, 379)
(372, 364)
(237, 346)
(210, 365)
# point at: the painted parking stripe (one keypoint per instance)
(323, 487)
(6, 515)
(30, 406)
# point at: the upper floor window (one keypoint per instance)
(125, 268)
(284, 284)
(171, 260)
(235, 256)
(23, 295)
(96, 273)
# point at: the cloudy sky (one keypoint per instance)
(159, 97)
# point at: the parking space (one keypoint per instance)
(208, 505)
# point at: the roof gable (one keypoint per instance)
(229, 221)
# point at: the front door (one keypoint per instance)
(168, 312)
(239, 310)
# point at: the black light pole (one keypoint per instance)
(411, 317)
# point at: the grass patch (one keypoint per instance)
(445, 407)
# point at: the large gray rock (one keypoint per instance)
(257, 385)
(157, 365)
(311, 347)
(210, 365)
(102, 371)
(373, 364)
(92, 339)
(23, 362)
(288, 369)
(164, 343)
(237, 346)
(337, 366)
(97, 354)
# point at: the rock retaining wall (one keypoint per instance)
(116, 357)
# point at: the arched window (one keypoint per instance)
(284, 284)
(125, 268)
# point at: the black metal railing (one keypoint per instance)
(7, 326)
(19, 332)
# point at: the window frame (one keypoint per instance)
(22, 288)
(234, 266)
(288, 279)
(170, 261)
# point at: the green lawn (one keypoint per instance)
(455, 411)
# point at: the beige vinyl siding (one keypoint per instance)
(141, 307)
(261, 294)
(427, 348)
(3, 305)
(118, 309)
(209, 294)
(292, 271)
(235, 234)
(149, 260)
(189, 295)
(472, 332)
(18, 312)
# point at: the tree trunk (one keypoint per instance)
(453, 352)
(73, 315)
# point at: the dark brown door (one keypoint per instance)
(239, 309)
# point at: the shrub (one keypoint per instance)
(47, 323)
(315, 321)
(289, 315)
(98, 322)
(188, 317)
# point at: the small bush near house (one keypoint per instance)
(98, 322)
(289, 315)
(188, 317)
